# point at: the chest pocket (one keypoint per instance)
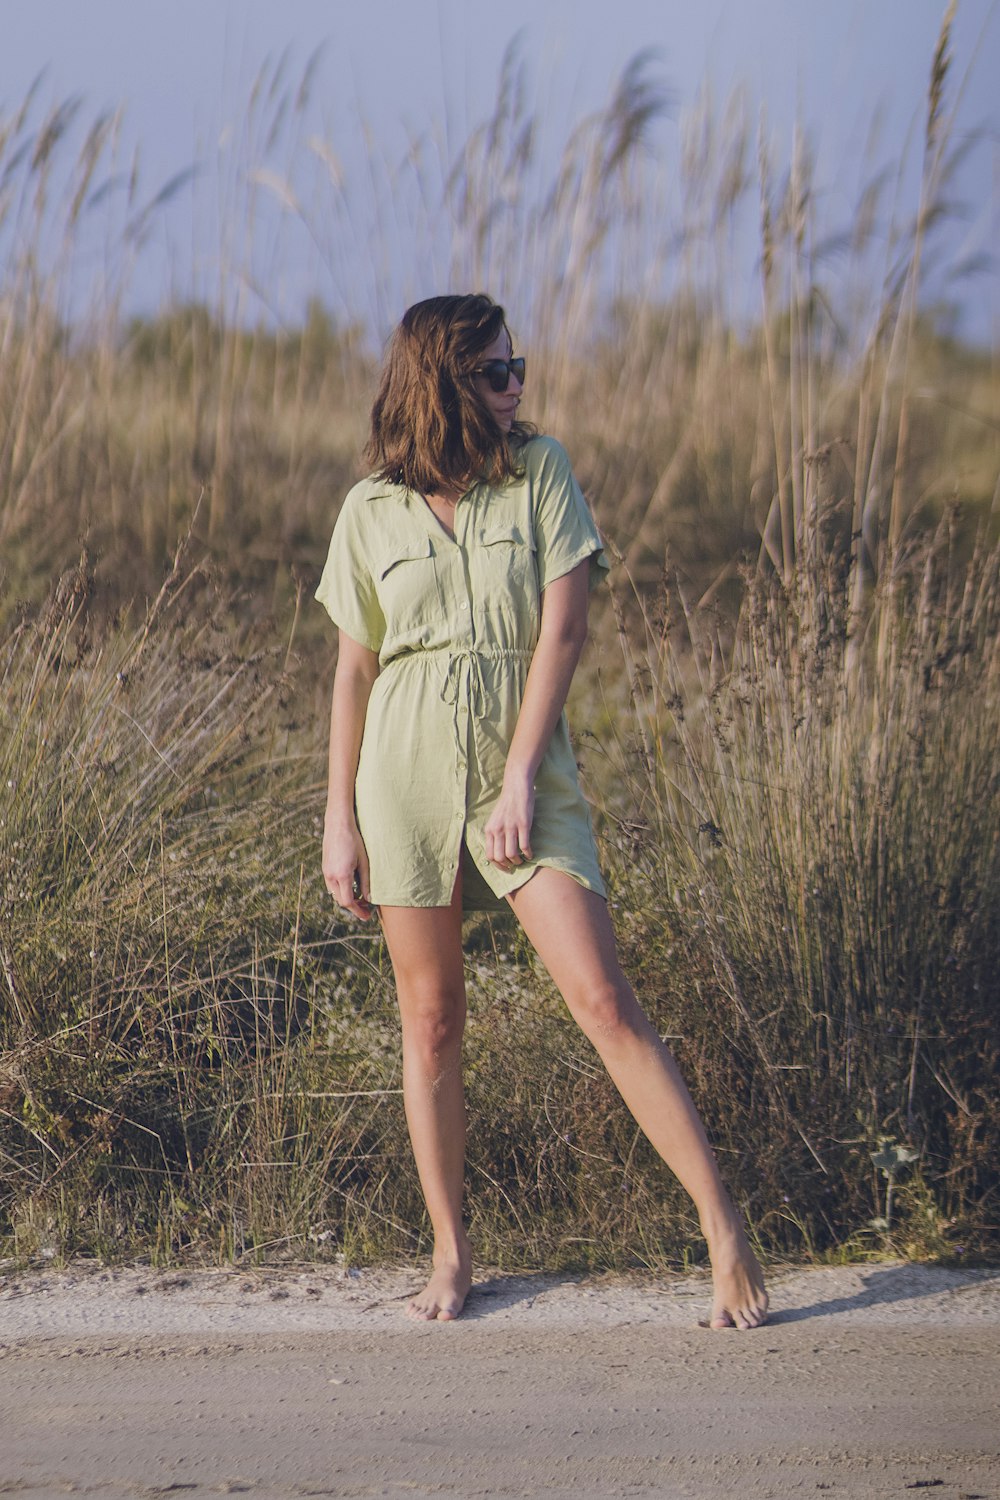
(408, 585)
(509, 557)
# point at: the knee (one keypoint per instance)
(433, 1023)
(605, 1009)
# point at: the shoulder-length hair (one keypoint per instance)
(430, 428)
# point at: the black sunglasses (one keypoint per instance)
(499, 371)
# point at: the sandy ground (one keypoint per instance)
(870, 1381)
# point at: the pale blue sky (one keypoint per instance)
(399, 71)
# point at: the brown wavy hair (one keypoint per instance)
(430, 428)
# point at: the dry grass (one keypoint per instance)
(792, 705)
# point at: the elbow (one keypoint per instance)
(357, 666)
(572, 636)
(352, 685)
(370, 670)
(565, 647)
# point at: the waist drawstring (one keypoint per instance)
(467, 665)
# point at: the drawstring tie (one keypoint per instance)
(465, 668)
(465, 682)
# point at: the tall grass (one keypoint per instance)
(792, 706)
(809, 833)
(197, 1057)
(682, 409)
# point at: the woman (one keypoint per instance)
(458, 577)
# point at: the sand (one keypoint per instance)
(870, 1381)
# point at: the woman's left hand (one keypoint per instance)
(508, 828)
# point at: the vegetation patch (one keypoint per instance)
(788, 723)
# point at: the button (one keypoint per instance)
(464, 606)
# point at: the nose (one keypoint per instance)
(515, 385)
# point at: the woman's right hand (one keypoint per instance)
(345, 868)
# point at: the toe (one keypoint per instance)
(745, 1317)
(757, 1313)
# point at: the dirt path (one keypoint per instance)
(871, 1381)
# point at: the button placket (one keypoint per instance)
(464, 528)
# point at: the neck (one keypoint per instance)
(449, 493)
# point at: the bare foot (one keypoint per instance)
(739, 1299)
(444, 1295)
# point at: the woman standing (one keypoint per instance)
(458, 577)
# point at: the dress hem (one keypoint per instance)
(587, 881)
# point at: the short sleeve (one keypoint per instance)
(347, 589)
(564, 529)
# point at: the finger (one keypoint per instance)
(360, 902)
(496, 856)
(524, 840)
(512, 848)
(362, 885)
(346, 893)
(495, 849)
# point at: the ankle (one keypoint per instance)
(722, 1227)
(453, 1251)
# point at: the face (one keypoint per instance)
(502, 404)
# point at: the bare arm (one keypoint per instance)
(561, 639)
(344, 855)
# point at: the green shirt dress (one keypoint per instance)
(455, 624)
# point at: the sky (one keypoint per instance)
(390, 75)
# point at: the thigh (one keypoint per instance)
(425, 946)
(570, 930)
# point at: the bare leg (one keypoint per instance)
(425, 945)
(570, 929)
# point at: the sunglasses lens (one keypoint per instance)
(499, 371)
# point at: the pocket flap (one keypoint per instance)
(507, 532)
(403, 551)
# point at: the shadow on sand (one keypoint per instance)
(882, 1286)
(499, 1293)
(886, 1285)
